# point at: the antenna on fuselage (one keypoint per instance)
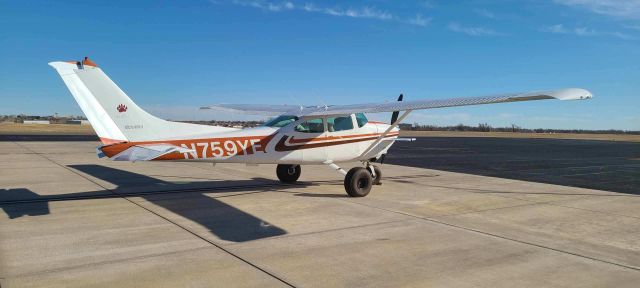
(322, 104)
(295, 100)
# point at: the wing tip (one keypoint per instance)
(572, 94)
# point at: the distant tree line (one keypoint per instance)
(244, 124)
(484, 127)
(53, 118)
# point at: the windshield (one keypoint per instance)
(361, 119)
(280, 121)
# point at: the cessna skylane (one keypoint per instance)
(297, 135)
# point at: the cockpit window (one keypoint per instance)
(361, 119)
(311, 126)
(281, 121)
(335, 124)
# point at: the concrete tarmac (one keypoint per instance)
(68, 219)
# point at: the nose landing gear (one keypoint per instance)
(359, 180)
(377, 175)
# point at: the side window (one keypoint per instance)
(311, 126)
(361, 119)
(335, 124)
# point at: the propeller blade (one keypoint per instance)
(394, 115)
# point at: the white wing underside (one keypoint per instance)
(273, 110)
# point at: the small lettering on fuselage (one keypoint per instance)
(130, 127)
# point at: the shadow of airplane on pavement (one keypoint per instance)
(36, 208)
(194, 203)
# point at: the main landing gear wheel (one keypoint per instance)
(358, 182)
(288, 173)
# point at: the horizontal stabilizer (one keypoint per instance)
(148, 152)
(404, 139)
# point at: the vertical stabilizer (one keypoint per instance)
(113, 115)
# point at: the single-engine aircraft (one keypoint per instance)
(298, 135)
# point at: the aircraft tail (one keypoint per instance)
(113, 115)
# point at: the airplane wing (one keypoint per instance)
(256, 109)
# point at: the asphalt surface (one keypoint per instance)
(601, 165)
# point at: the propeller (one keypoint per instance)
(394, 115)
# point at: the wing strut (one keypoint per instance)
(386, 132)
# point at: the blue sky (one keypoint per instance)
(174, 56)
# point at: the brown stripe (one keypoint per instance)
(317, 139)
(282, 147)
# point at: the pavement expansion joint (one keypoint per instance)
(93, 264)
(502, 237)
(324, 231)
(552, 202)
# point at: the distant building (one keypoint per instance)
(47, 122)
(78, 122)
(405, 126)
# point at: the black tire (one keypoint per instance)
(358, 182)
(288, 173)
(378, 179)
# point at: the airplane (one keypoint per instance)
(298, 135)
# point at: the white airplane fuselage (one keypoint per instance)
(276, 145)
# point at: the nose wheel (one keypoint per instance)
(359, 180)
